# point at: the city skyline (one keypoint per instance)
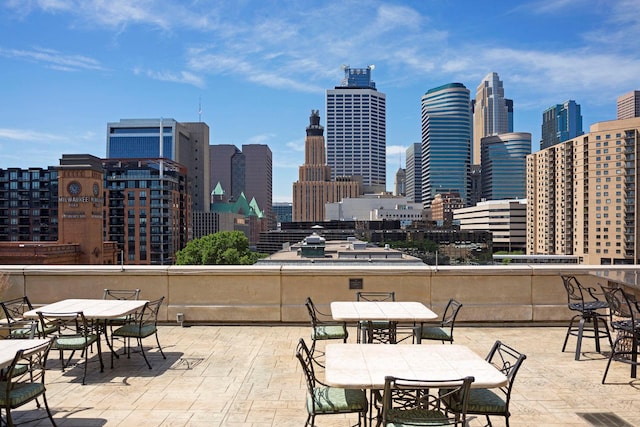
(253, 71)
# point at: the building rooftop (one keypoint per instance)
(248, 376)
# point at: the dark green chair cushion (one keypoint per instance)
(416, 417)
(133, 330)
(481, 401)
(435, 333)
(332, 400)
(20, 394)
(328, 332)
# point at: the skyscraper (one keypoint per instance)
(504, 165)
(629, 105)
(560, 123)
(414, 173)
(314, 188)
(185, 143)
(248, 171)
(446, 141)
(492, 113)
(356, 129)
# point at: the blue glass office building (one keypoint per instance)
(560, 123)
(446, 141)
(504, 165)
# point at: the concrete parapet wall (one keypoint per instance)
(272, 294)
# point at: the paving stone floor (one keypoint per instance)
(247, 376)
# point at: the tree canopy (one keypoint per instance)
(222, 248)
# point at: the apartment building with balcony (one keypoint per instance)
(582, 197)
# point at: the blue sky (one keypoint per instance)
(258, 68)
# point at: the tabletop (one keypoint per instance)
(92, 308)
(9, 348)
(398, 311)
(366, 365)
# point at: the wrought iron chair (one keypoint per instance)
(323, 329)
(376, 331)
(72, 333)
(323, 399)
(624, 317)
(25, 381)
(585, 302)
(410, 402)
(443, 332)
(120, 294)
(142, 325)
(488, 402)
(14, 310)
(22, 329)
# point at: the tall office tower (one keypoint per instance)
(629, 105)
(504, 165)
(147, 209)
(446, 144)
(400, 182)
(582, 196)
(413, 186)
(258, 183)
(29, 204)
(357, 129)
(248, 171)
(185, 143)
(492, 113)
(560, 123)
(314, 188)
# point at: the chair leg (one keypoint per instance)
(606, 370)
(579, 343)
(569, 330)
(46, 406)
(159, 346)
(142, 351)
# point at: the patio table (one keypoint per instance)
(9, 348)
(391, 311)
(358, 366)
(97, 310)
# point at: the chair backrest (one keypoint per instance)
(311, 308)
(14, 308)
(121, 294)
(20, 329)
(306, 361)
(148, 316)
(424, 402)
(375, 296)
(573, 288)
(508, 360)
(450, 313)
(35, 359)
(621, 307)
(69, 324)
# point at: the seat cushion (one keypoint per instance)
(21, 394)
(331, 400)
(328, 332)
(480, 401)
(416, 417)
(133, 330)
(435, 333)
(74, 342)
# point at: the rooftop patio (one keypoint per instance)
(248, 376)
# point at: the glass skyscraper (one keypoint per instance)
(356, 129)
(560, 123)
(504, 165)
(446, 141)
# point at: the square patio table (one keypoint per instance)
(358, 366)
(390, 311)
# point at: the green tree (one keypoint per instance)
(222, 248)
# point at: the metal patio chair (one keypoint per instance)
(444, 331)
(376, 331)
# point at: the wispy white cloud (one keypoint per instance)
(54, 59)
(296, 145)
(261, 138)
(186, 77)
(28, 135)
